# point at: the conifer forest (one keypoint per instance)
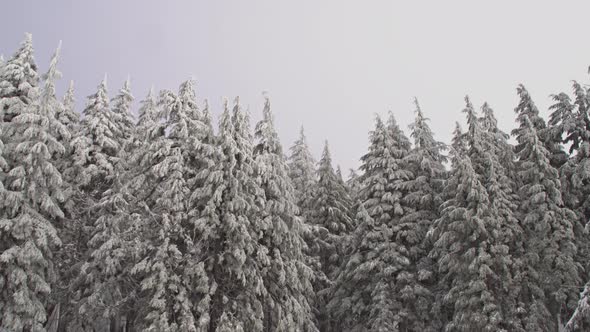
(160, 218)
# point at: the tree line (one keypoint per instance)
(161, 222)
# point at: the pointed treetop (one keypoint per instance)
(69, 99)
(267, 113)
(391, 121)
(326, 152)
(526, 106)
(225, 121)
(52, 73)
(25, 52)
(418, 108)
(301, 132)
(207, 114)
(489, 121)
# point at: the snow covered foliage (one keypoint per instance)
(302, 170)
(379, 286)
(330, 209)
(95, 150)
(30, 208)
(18, 81)
(548, 229)
(122, 111)
(285, 307)
(167, 224)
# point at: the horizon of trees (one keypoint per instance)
(171, 222)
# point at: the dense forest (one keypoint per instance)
(165, 221)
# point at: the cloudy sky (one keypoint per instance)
(327, 65)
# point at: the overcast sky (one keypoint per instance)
(327, 65)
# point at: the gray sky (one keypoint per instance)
(329, 65)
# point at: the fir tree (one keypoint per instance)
(526, 107)
(230, 230)
(548, 229)
(424, 191)
(18, 81)
(330, 209)
(465, 252)
(382, 253)
(302, 171)
(68, 115)
(30, 209)
(493, 160)
(96, 148)
(458, 142)
(569, 121)
(496, 142)
(285, 307)
(123, 117)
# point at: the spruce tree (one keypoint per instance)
(68, 115)
(426, 162)
(18, 81)
(548, 229)
(96, 148)
(287, 278)
(526, 107)
(569, 121)
(330, 210)
(169, 280)
(230, 230)
(465, 254)
(493, 160)
(384, 296)
(121, 104)
(496, 142)
(30, 207)
(302, 171)
(458, 142)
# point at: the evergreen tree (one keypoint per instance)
(91, 170)
(330, 209)
(123, 117)
(465, 254)
(458, 142)
(286, 307)
(424, 190)
(548, 229)
(18, 81)
(30, 208)
(492, 158)
(114, 246)
(526, 107)
(170, 273)
(302, 171)
(230, 231)
(96, 148)
(68, 115)
(148, 118)
(377, 287)
(496, 143)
